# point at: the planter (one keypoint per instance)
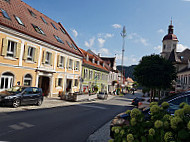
(102, 95)
(92, 96)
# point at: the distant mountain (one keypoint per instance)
(128, 70)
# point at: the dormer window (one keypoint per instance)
(43, 20)
(87, 57)
(93, 60)
(54, 26)
(7, 1)
(74, 47)
(63, 30)
(5, 14)
(69, 44)
(19, 21)
(38, 29)
(103, 64)
(109, 64)
(32, 13)
(58, 39)
(98, 62)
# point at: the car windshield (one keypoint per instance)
(16, 89)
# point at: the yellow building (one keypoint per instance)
(36, 51)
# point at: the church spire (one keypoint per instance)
(171, 28)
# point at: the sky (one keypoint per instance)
(97, 24)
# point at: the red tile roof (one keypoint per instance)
(20, 9)
(85, 53)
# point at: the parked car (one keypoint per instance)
(20, 95)
(174, 102)
(145, 103)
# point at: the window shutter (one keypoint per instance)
(25, 52)
(18, 49)
(44, 57)
(51, 59)
(79, 66)
(58, 60)
(61, 82)
(67, 62)
(63, 61)
(56, 82)
(35, 54)
(4, 48)
(75, 64)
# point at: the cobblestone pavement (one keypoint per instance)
(48, 103)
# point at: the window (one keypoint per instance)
(5, 14)
(32, 13)
(74, 47)
(7, 1)
(38, 29)
(164, 47)
(63, 30)
(54, 26)
(28, 91)
(61, 61)
(43, 20)
(85, 73)
(70, 64)
(27, 80)
(93, 60)
(48, 58)
(19, 21)
(58, 39)
(60, 82)
(69, 44)
(95, 75)
(30, 55)
(77, 65)
(90, 74)
(11, 49)
(76, 82)
(7, 80)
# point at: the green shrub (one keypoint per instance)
(153, 103)
(182, 105)
(130, 138)
(162, 127)
(165, 105)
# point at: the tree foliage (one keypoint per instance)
(155, 72)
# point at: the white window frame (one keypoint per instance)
(9, 52)
(48, 58)
(31, 57)
(70, 64)
(28, 79)
(62, 62)
(10, 81)
(77, 65)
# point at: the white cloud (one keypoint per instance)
(181, 47)
(127, 59)
(159, 48)
(116, 26)
(138, 39)
(89, 43)
(105, 35)
(161, 31)
(101, 42)
(186, 0)
(108, 35)
(75, 33)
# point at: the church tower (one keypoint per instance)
(170, 42)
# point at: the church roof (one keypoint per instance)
(170, 35)
(173, 57)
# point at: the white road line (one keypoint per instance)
(93, 106)
(26, 124)
(16, 127)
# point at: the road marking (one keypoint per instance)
(26, 124)
(16, 127)
(93, 106)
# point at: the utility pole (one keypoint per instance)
(123, 34)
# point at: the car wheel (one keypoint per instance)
(39, 102)
(16, 103)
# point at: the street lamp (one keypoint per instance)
(123, 34)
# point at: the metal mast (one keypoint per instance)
(123, 34)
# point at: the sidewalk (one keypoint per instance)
(48, 103)
(103, 134)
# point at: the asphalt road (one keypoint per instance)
(62, 124)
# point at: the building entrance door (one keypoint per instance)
(69, 85)
(44, 83)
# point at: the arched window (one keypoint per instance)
(6, 81)
(27, 80)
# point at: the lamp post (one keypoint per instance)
(123, 34)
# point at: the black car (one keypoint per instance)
(136, 100)
(174, 101)
(19, 95)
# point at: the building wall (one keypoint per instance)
(19, 65)
(88, 83)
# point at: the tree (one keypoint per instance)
(155, 72)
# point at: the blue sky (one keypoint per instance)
(97, 24)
